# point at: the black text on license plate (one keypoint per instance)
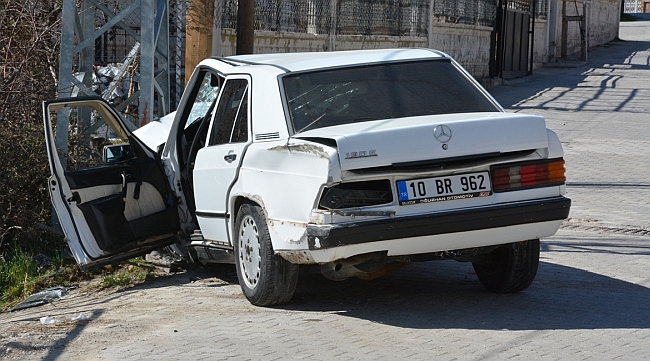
(447, 188)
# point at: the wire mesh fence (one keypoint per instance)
(472, 12)
(541, 9)
(177, 22)
(388, 17)
(352, 17)
(116, 43)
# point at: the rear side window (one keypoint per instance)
(231, 117)
(383, 91)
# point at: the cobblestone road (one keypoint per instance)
(601, 112)
(590, 300)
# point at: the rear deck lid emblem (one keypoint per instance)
(442, 133)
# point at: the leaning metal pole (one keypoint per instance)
(78, 35)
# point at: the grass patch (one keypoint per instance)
(22, 273)
(127, 275)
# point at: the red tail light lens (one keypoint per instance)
(528, 175)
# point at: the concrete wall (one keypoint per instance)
(540, 45)
(602, 24)
(604, 21)
(469, 45)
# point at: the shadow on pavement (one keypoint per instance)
(619, 55)
(447, 294)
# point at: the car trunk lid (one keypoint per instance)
(392, 142)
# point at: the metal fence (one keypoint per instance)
(633, 6)
(114, 44)
(396, 18)
(177, 22)
(541, 9)
(472, 12)
(361, 17)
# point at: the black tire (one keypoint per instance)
(265, 279)
(509, 268)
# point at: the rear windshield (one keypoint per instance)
(394, 90)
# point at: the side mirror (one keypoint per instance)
(116, 153)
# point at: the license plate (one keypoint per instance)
(448, 188)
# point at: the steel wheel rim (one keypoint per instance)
(249, 252)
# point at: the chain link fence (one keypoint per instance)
(352, 17)
(115, 44)
(471, 12)
(361, 17)
(541, 9)
(177, 22)
(395, 18)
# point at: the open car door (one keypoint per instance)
(108, 189)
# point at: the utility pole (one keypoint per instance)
(198, 34)
(552, 31)
(245, 29)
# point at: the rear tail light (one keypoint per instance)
(356, 194)
(512, 177)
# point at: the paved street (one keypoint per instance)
(601, 112)
(590, 300)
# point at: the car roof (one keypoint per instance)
(318, 60)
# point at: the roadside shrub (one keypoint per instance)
(29, 53)
(29, 56)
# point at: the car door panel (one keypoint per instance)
(117, 217)
(107, 209)
(217, 165)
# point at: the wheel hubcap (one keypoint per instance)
(249, 251)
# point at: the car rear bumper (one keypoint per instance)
(322, 237)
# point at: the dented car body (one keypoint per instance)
(359, 162)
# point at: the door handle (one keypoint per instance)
(230, 157)
(124, 183)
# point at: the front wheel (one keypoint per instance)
(509, 268)
(265, 279)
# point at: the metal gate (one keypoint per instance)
(512, 38)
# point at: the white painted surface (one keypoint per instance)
(411, 139)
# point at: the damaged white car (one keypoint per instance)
(359, 162)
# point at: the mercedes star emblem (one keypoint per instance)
(442, 133)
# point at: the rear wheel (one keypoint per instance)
(509, 268)
(265, 279)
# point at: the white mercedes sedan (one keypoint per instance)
(356, 162)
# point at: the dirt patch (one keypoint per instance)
(115, 312)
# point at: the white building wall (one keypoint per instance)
(602, 25)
